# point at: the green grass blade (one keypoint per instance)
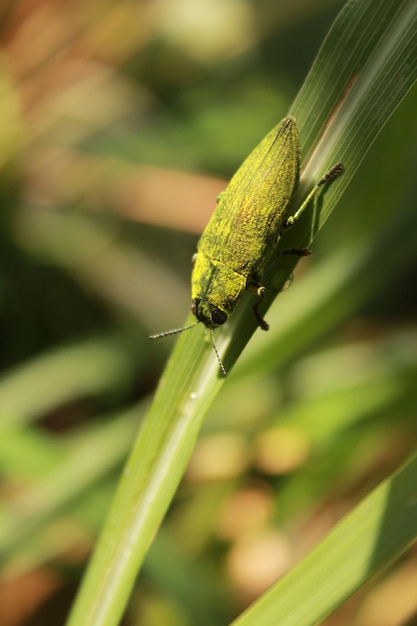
(361, 74)
(366, 540)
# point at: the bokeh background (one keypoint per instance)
(121, 121)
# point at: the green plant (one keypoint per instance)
(364, 69)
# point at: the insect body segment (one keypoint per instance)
(241, 237)
(244, 229)
(215, 290)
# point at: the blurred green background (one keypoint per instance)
(120, 123)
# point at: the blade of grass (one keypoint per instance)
(54, 378)
(369, 538)
(363, 91)
(87, 460)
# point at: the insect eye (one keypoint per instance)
(218, 317)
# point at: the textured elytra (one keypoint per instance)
(245, 227)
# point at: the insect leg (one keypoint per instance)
(332, 173)
(254, 286)
(296, 251)
(261, 322)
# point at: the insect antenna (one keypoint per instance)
(174, 331)
(217, 353)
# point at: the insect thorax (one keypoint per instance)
(216, 283)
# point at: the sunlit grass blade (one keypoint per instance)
(356, 75)
(366, 540)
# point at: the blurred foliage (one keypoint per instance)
(121, 121)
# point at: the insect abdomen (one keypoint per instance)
(246, 224)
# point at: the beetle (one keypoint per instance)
(240, 240)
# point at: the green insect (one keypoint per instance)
(241, 237)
